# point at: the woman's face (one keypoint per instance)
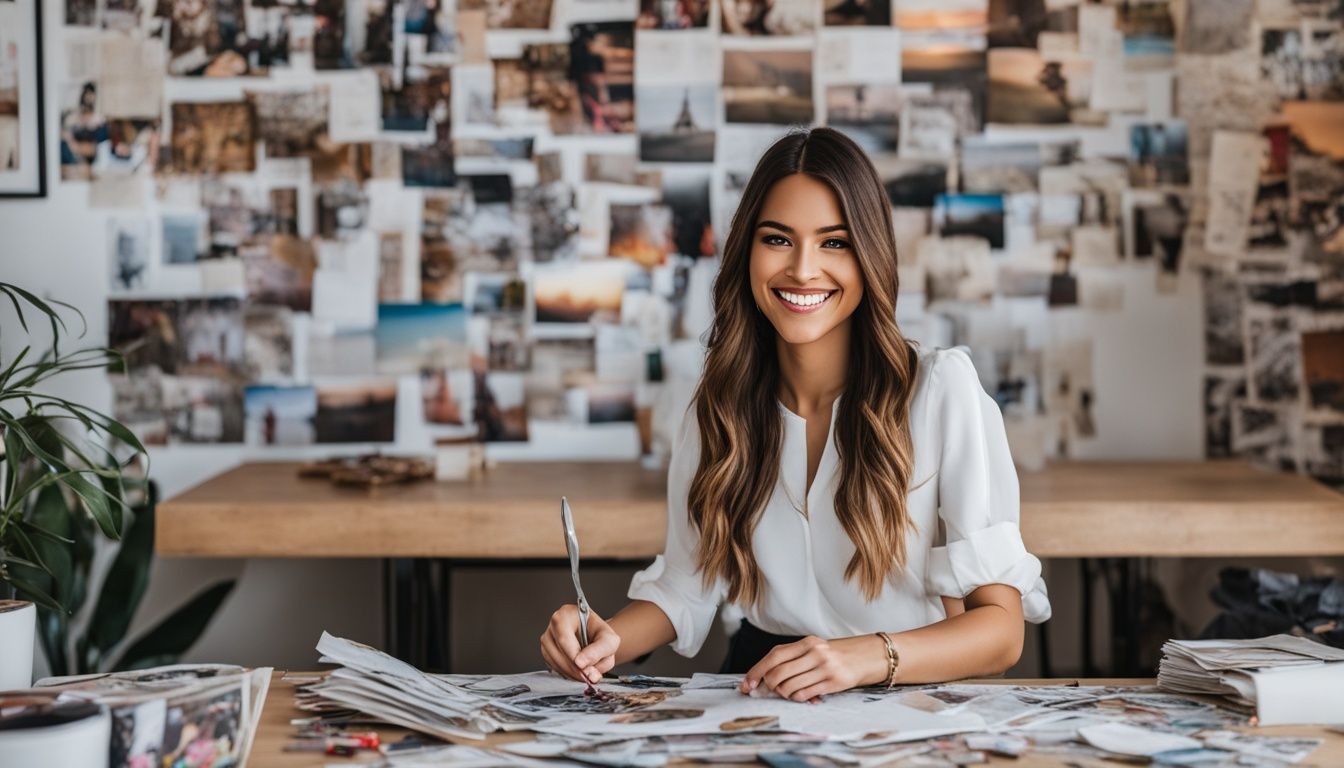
(805, 276)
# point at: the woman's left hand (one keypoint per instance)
(813, 667)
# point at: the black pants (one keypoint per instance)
(749, 645)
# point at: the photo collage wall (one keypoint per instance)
(518, 206)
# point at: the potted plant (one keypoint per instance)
(59, 463)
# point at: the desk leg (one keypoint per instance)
(417, 594)
(1122, 578)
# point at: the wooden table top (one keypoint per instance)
(275, 731)
(1069, 509)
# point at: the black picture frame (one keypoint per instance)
(20, 183)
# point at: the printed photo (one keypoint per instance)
(768, 17)
(963, 214)
(280, 415)
(672, 14)
(449, 396)
(416, 337)
(676, 122)
(128, 245)
(213, 137)
(356, 411)
(279, 270)
(602, 65)
(579, 292)
(268, 343)
(768, 86)
(1025, 88)
(500, 407)
(641, 233)
(869, 113)
(145, 333)
(203, 409)
(1157, 154)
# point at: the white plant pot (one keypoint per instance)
(68, 736)
(18, 623)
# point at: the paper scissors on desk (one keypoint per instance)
(572, 545)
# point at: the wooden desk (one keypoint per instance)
(1070, 509)
(1129, 509)
(275, 731)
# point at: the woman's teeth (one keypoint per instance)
(804, 299)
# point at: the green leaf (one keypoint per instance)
(126, 580)
(108, 517)
(172, 637)
(30, 591)
(50, 515)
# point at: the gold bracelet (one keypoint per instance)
(893, 660)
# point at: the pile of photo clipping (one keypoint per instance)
(176, 715)
(649, 721)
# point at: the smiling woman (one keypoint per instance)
(851, 492)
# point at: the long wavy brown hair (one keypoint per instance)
(741, 427)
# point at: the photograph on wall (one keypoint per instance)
(768, 17)
(500, 407)
(602, 65)
(641, 233)
(415, 337)
(448, 396)
(869, 113)
(280, 415)
(22, 137)
(767, 86)
(359, 410)
(268, 343)
(967, 214)
(203, 408)
(128, 244)
(673, 14)
(213, 137)
(579, 292)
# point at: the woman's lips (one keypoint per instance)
(803, 302)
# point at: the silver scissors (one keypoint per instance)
(572, 545)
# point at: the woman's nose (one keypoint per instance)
(805, 263)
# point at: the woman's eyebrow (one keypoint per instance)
(786, 228)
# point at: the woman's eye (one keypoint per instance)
(838, 243)
(774, 240)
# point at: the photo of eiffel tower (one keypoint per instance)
(676, 123)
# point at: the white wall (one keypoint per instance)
(1148, 404)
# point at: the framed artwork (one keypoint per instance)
(23, 156)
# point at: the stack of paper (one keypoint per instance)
(1283, 679)
(200, 714)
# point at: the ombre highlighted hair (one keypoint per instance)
(736, 402)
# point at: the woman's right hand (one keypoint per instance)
(560, 646)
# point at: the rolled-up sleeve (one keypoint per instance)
(978, 494)
(673, 581)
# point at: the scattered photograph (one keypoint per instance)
(278, 415)
(1273, 356)
(842, 13)
(268, 343)
(356, 411)
(83, 129)
(767, 86)
(291, 123)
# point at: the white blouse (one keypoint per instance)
(963, 503)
